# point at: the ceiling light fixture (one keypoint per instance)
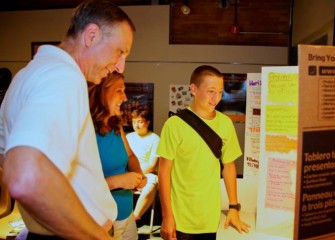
(235, 29)
(185, 9)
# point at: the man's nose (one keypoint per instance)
(120, 65)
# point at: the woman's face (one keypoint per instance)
(115, 96)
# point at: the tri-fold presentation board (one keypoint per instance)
(296, 187)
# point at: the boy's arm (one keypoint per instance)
(168, 228)
(229, 176)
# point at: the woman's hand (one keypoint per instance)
(143, 182)
(132, 180)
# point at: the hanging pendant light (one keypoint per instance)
(235, 29)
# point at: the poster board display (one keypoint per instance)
(180, 98)
(252, 139)
(278, 151)
(139, 96)
(233, 102)
(252, 126)
(315, 201)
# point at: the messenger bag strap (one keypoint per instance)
(212, 139)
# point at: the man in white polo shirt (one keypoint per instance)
(51, 164)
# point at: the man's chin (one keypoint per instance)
(94, 81)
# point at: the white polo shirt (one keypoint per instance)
(46, 107)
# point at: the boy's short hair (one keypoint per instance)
(200, 72)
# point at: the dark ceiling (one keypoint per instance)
(17, 5)
(260, 22)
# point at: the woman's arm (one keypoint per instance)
(128, 180)
(132, 179)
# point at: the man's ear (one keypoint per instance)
(92, 34)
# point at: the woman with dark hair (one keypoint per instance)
(121, 167)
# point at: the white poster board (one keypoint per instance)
(251, 143)
(252, 126)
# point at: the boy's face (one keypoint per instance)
(140, 125)
(209, 93)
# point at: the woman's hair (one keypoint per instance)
(101, 12)
(200, 72)
(99, 106)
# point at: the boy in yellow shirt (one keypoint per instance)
(189, 173)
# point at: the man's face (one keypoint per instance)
(109, 54)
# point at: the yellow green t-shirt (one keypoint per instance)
(195, 174)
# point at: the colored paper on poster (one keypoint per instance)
(283, 87)
(281, 182)
(281, 119)
(280, 143)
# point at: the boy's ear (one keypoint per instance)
(192, 89)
